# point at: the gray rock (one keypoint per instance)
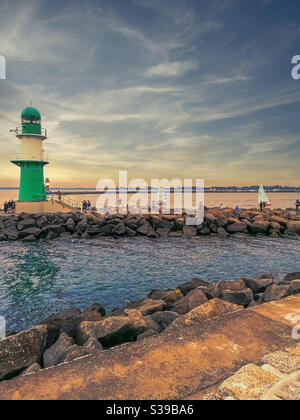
(26, 224)
(11, 233)
(151, 324)
(164, 319)
(192, 284)
(275, 292)
(190, 301)
(241, 297)
(54, 354)
(119, 229)
(34, 231)
(42, 222)
(113, 330)
(30, 238)
(92, 345)
(169, 296)
(50, 236)
(258, 285)
(97, 308)
(22, 350)
(222, 232)
(146, 334)
(72, 353)
(148, 306)
(236, 227)
(294, 287)
(57, 229)
(32, 369)
(71, 225)
(292, 276)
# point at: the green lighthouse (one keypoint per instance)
(31, 160)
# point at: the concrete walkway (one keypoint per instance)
(177, 364)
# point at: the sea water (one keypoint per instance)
(40, 279)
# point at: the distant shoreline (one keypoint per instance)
(68, 191)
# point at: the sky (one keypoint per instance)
(160, 88)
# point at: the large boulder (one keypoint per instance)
(22, 350)
(42, 222)
(164, 319)
(279, 220)
(30, 231)
(70, 225)
(275, 292)
(57, 229)
(260, 227)
(258, 285)
(96, 307)
(211, 309)
(145, 229)
(293, 226)
(11, 233)
(148, 306)
(169, 296)
(26, 224)
(55, 353)
(294, 287)
(119, 229)
(292, 276)
(241, 297)
(190, 301)
(192, 284)
(113, 330)
(236, 227)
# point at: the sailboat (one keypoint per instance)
(262, 196)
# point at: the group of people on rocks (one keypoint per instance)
(9, 206)
(86, 206)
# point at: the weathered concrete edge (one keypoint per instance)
(174, 365)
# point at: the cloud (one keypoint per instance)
(175, 69)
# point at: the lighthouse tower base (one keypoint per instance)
(36, 207)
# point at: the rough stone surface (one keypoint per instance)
(112, 330)
(283, 361)
(169, 296)
(249, 383)
(22, 350)
(190, 301)
(148, 306)
(258, 285)
(240, 297)
(54, 354)
(192, 284)
(275, 292)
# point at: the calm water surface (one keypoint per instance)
(38, 280)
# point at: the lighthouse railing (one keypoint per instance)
(19, 132)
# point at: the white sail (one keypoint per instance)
(262, 196)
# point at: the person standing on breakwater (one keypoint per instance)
(89, 205)
(5, 207)
(59, 196)
(297, 205)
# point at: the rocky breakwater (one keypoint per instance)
(222, 223)
(75, 334)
